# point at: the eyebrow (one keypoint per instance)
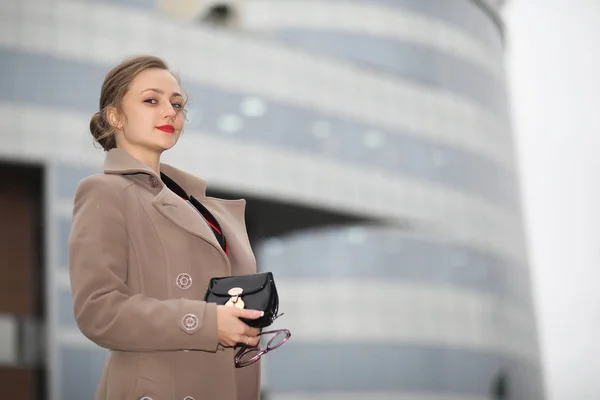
(161, 92)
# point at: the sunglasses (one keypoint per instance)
(249, 355)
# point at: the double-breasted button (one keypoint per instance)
(188, 398)
(153, 181)
(190, 322)
(184, 281)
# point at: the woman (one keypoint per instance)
(141, 253)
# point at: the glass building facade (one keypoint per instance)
(387, 111)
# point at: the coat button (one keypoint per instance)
(190, 322)
(188, 398)
(153, 181)
(146, 398)
(184, 281)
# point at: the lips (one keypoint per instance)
(166, 128)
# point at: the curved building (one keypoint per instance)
(372, 141)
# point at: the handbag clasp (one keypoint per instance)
(235, 300)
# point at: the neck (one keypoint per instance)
(148, 157)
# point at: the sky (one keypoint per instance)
(553, 67)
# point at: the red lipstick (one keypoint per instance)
(166, 128)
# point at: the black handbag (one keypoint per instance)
(253, 292)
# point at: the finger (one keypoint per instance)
(252, 332)
(248, 341)
(248, 314)
(253, 342)
(242, 339)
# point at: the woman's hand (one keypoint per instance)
(233, 331)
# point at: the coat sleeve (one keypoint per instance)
(104, 311)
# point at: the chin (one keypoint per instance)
(167, 144)
(163, 148)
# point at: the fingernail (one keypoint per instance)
(261, 313)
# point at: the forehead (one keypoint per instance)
(154, 78)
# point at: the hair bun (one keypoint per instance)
(102, 131)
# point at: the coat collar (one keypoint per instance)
(120, 162)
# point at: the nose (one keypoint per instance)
(170, 111)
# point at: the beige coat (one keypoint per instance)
(140, 261)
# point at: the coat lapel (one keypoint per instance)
(229, 213)
(182, 214)
(231, 217)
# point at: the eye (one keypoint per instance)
(150, 101)
(178, 106)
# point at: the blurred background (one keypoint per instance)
(419, 177)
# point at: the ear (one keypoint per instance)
(114, 118)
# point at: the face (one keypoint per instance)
(152, 113)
